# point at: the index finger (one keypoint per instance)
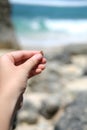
(17, 56)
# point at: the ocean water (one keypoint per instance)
(49, 25)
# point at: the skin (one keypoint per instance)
(15, 69)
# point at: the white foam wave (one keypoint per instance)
(70, 26)
(61, 26)
(56, 31)
(34, 25)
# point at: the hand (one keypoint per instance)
(15, 69)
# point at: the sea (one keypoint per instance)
(50, 23)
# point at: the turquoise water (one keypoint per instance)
(49, 25)
(32, 11)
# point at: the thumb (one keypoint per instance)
(32, 62)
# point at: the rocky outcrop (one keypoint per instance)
(7, 35)
(57, 98)
(74, 116)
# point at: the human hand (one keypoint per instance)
(15, 69)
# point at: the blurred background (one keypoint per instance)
(49, 23)
(57, 98)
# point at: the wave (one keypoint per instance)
(68, 26)
(43, 24)
(50, 32)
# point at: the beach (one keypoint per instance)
(57, 98)
(60, 88)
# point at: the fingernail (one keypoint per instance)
(41, 52)
(38, 56)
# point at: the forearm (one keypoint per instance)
(7, 107)
(15, 69)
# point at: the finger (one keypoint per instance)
(37, 70)
(32, 62)
(41, 66)
(43, 61)
(34, 73)
(18, 56)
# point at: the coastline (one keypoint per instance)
(50, 39)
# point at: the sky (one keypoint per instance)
(52, 2)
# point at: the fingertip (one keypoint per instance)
(38, 56)
(38, 71)
(32, 62)
(41, 66)
(44, 60)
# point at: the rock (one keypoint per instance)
(71, 72)
(85, 72)
(66, 98)
(59, 56)
(80, 60)
(28, 114)
(49, 81)
(77, 85)
(63, 58)
(74, 116)
(26, 127)
(28, 117)
(49, 107)
(36, 98)
(41, 125)
(7, 35)
(75, 49)
(44, 125)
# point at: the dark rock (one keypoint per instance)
(84, 72)
(75, 115)
(49, 107)
(74, 49)
(62, 57)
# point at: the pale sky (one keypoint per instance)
(52, 2)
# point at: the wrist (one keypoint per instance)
(9, 92)
(8, 98)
